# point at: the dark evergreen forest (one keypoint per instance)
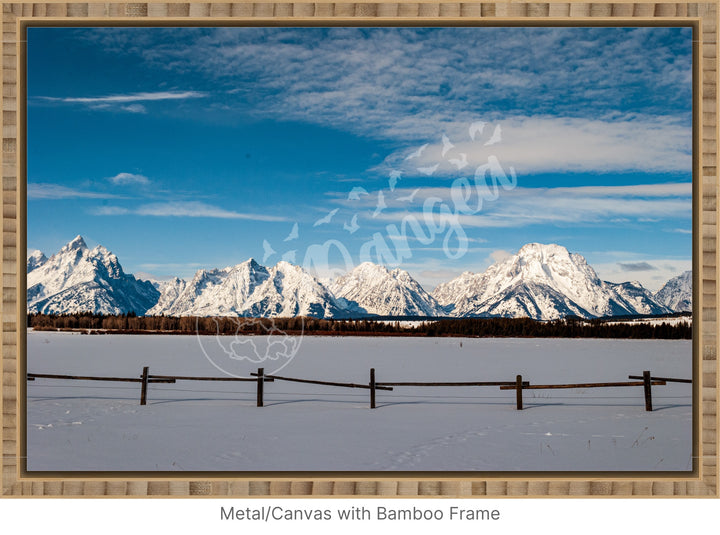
(569, 327)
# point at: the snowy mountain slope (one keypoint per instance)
(533, 300)
(291, 291)
(635, 299)
(378, 290)
(35, 259)
(676, 294)
(542, 282)
(169, 292)
(78, 279)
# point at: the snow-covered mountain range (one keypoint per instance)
(248, 289)
(541, 281)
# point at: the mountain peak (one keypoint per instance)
(372, 269)
(544, 249)
(77, 244)
(284, 265)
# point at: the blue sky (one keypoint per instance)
(440, 150)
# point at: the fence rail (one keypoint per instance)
(318, 382)
(33, 376)
(193, 378)
(260, 379)
(469, 383)
(666, 379)
(579, 385)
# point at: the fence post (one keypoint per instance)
(260, 384)
(372, 388)
(143, 391)
(647, 386)
(518, 392)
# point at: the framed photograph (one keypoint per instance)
(360, 249)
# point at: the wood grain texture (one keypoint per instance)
(706, 250)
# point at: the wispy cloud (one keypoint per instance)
(184, 209)
(122, 179)
(406, 84)
(135, 108)
(110, 210)
(125, 102)
(563, 205)
(132, 97)
(56, 191)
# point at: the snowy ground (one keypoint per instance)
(81, 425)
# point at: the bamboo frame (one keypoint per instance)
(703, 482)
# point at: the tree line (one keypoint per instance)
(569, 327)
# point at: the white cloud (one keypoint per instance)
(565, 144)
(128, 103)
(109, 210)
(499, 255)
(56, 191)
(564, 205)
(122, 179)
(132, 97)
(186, 209)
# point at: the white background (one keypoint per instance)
(179, 516)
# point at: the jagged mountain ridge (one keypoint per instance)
(248, 289)
(211, 292)
(78, 279)
(540, 281)
(377, 290)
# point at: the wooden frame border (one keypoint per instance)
(704, 16)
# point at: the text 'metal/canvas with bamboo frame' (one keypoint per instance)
(702, 16)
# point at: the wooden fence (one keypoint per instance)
(260, 378)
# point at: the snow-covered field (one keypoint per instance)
(210, 426)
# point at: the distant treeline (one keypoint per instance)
(471, 327)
